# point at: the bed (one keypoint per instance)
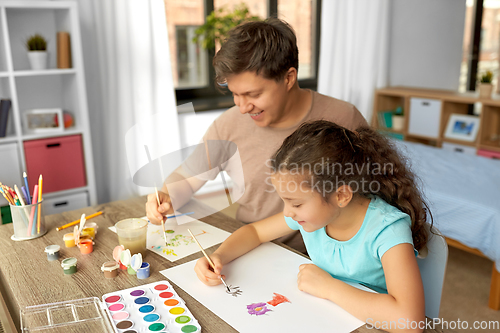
(463, 192)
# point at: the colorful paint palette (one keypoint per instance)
(153, 307)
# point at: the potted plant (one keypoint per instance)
(218, 24)
(398, 119)
(485, 86)
(37, 51)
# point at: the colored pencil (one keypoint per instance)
(33, 211)
(24, 214)
(162, 224)
(25, 195)
(5, 196)
(28, 195)
(77, 221)
(209, 260)
(40, 183)
(19, 196)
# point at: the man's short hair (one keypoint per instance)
(268, 48)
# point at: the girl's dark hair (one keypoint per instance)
(268, 48)
(327, 153)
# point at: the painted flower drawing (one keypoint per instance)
(257, 309)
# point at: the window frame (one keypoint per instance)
(209, 98)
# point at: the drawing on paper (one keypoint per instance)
(234, 291)
(261, 308)
(163, 249)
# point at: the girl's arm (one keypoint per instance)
(394, 312)
(240, 242)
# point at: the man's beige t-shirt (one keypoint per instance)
(257, 144)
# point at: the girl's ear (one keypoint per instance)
(343, 195)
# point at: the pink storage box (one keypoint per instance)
(489, 153)
(59, 160)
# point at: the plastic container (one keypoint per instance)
(52, 252)
(86, 246)
(132, 235)
(143, 272)
(69, 240)
(69, 266)
(110, 269)
(88, 232)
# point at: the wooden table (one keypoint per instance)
(28, 278)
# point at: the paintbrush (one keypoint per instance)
(162, 224)
(209, 260)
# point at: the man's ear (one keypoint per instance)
(290, 78)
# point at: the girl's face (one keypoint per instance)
(303, 204)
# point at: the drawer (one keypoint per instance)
(59, 160)
(489, 154)
(459, 148)
(10, 170)
(425, 117)
(65, 203)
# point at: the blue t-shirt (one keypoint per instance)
(358, 259)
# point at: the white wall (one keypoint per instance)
(426, 43)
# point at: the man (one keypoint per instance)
(258, 63)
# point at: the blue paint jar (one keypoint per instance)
(143, 272)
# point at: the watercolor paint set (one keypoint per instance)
(153, 307)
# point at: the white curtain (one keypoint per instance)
(354, 50)
(129, 82)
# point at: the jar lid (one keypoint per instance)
(69, 236)
(68, 262)
(125, 257)
(136, 261)
(51, 249)
(117, 252)
(109, 266)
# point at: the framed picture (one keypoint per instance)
(462, 127)
(43, 120)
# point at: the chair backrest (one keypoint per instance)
(432, 268)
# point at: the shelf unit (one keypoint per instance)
(41, 89)
(447, 103)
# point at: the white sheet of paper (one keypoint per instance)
(260, 273)
(180, 242)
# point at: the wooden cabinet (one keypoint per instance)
(51, 88)
(427, 113)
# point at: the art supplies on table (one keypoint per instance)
(266, 297)
(153, 307)
(180, 244)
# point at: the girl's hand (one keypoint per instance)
(313, 280)
(205, 272)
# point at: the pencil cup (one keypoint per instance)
(28, 221)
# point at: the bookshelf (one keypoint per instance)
(428, 124)
(44, 89)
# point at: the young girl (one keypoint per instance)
(362, 218)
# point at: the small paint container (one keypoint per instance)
(69, 265)
(92, 225)
(88, 232)
(137, 293)
(113, 299)
(116, 307)
(52, 252)
(69, 240)
(190, 329)
(143, 272)
(110, 269)
(182, 320)
(151, 317)
(176, 311)
(130, 270)
(171, 302)
(86, 246)
(140, 301)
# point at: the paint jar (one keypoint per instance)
(69, 266)
(130, 270)
(110, 269)
(69, 240)
(88, 232)
(86, 246)
(132, 235)
(52, 252)
(28, 221)
(143, 272)
(92, 225)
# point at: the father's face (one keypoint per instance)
(261, 99)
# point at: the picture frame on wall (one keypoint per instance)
(462, 127)
(43, 121)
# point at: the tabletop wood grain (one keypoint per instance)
(28, 278)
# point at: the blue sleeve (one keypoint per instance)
(292, 223)
(398, 232)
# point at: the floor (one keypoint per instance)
(465, 292)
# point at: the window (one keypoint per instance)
(481, 42)
(192, 65)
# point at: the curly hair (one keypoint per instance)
(328, 145)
